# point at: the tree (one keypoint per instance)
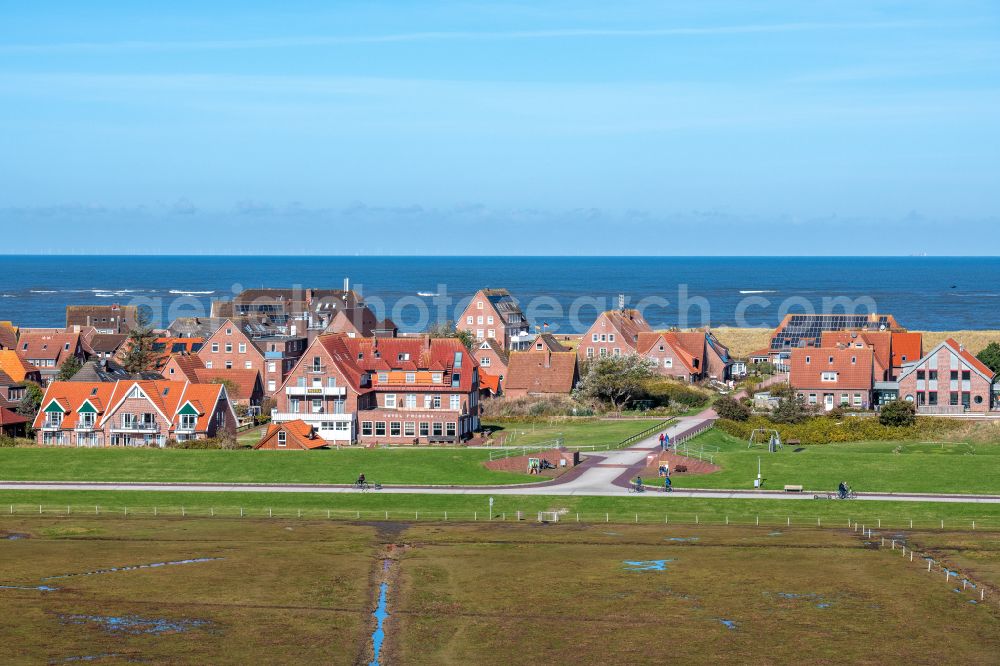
(729, 408)
(991, 356)
(32, 400)
(448, 330)
(790, 410)
(69, 367)
(615, 379)
(138, 354)
(898, 413)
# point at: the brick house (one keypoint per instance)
(111, 319)
(613, 333)
(47, 351)
(833, 376)
(385, 390)
(493, 313)
(245, 386)
(132, 413)
(12, 424)
(8, 335)
(493, 360)
(291, 436)
(273, 356)
(686, 355)
(541, 373)
(15, 372)
(949, 379)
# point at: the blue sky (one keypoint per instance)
(713, 127)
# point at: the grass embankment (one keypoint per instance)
(654, 507)
(391, 466)
(275, 591)
(400, 466)
(574, 432)
(867, 466)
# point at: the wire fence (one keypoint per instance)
(707, 518)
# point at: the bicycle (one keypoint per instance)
(363, 486)
(634, 489)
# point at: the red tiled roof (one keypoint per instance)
(186, 366)
(489, 381)
(8, 335)
(854, 368)
(298, 435)
(8, 417)
(684, 346)
(628, 323)
(243, 381)
(906, 348)
(541, 372)
(16, 367)
(879, 341)
(48, 346)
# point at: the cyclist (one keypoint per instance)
(668, 485)
(638, 484)
(361, 480)
(843, 490)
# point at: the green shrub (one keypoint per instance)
(665, 392)
(731, 409)
(898, 413)
(15, 442)
(534, 407)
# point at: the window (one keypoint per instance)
(920, 374)
(593, 338)
(215, 346)
(829, 377)
(409, 429)
(603, 352)
(383, 377)
(932, 375)
(603, 337)
(366, 428)
(590, 352)
(812, 398)
(317, 405)
(317, 364)
(450, 429)
(437, 429)
(380, 428)
(489, 320)
(411, 377)
(479, 305)
(248, 365)
(616, 352)
(229, 331)
(411, 401)
(208, 365)
(491, 333)
(436, 378)
(331, 382)
(229, 347)
(611, 337)
(455, 402)
(424, 428)
(456, 379)
(468, 320)
(229, 365)
(808, 359)
(282, 435)
(953, 398)
(394, 429)
(271, 388)
(293, 405)
(390, 400)
(436, 402)
(668, 363)
(243, 348)
(979, 399)
(188, 421)
(485, 361)
(932, 398)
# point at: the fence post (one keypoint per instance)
(39, 509)
(241, 512)
(183, 513)
(607, 518)
(154, 511)
(212, 511)
(758, 521)
(270, 513)
(475, 515)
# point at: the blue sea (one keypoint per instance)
(929, 293)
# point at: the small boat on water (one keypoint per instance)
(426, 294)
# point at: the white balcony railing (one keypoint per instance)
(136, 427)
(335, 391)
(309, 417)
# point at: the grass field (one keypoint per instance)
(475, 594)
(866, 466)
(650, 508)
(573, 432)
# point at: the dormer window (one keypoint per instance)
(282, 438)
(829, 377)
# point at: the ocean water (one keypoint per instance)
(929, 293)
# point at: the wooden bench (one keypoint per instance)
(794, 442)
(793, 489)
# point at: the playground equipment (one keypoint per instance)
(765, 436)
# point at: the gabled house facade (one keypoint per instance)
(494, 313)
(541, 373)
(132, 413)
(272, 356)
(613, 333)
(291, 436)
(493, 360)
(949, 379)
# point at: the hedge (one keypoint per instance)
(825, 430)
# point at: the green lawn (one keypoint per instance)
(866, 466)
(581, 432)
(651, 508)
(392, 466)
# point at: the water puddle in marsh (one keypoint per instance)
(682, 539)
(646, 565)
(728, 624)
(135, 567)
(380, 613)
(15, 536)
(135, 625)
(39, 588)
(817, 599)
(87, 657)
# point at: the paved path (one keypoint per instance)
(606, 474)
